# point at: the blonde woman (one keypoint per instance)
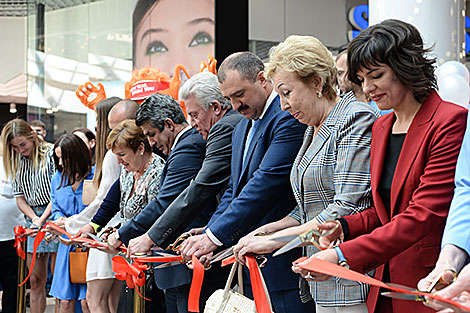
(28, 161)
(330, 176)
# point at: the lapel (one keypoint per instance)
(297, 172)
(419, 129)
(258, 132)
(237, 151)
(378, 151)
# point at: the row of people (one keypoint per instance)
(326, 163)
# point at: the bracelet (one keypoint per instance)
(97, 228)
(341, 259)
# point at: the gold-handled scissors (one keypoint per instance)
(437, 284)
(309, 237)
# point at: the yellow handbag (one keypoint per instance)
(77, 265)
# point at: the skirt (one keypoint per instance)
(43, 247)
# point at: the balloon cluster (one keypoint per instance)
(453, 81)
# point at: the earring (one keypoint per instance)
(394, 78)
(319, 95)
(142, 153)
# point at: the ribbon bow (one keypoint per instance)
(21, 234)
(133, 273)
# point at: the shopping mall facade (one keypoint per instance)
(50, 47)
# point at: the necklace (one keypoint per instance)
(141, 172)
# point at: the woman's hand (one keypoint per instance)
(255, 244)
(334, 237)
(327, 255)
(65, 241)
(458, 290)
(450, 261)
(82, 232)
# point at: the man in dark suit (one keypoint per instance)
(163, 121)
(265, 144)
(212, 115)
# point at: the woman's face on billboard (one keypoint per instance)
(175, 32)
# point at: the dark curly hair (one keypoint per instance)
(399, 45)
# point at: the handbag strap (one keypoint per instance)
(240, 278)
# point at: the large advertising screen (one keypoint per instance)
(171, 32)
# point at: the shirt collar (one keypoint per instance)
(179, 136)
(268, 103)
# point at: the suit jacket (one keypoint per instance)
(408, 237)
(211, 180)
(331, 178)
(259, 192)
(457, 230)
(181, 167)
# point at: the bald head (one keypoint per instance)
(123, 110)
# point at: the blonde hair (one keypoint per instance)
(128, 135)
(11, 159)
(308, 58)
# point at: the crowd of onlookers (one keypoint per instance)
(360, 149)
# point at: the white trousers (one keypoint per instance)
(358, 308)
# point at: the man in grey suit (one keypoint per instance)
(213, 117)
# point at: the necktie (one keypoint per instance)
(249, 137)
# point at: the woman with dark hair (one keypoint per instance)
(73, 161)
(88, 138)
(28, 161)
(413, 157)
(102, 287)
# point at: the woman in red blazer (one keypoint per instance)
(413, 156)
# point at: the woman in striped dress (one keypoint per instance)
(28, 161)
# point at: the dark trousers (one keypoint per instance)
(8, 275)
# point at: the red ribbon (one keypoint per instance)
(40, 236)
(21, 234)
(259, 294)
(37, 240)
(132, 274)
(328, 268)
(196, 284)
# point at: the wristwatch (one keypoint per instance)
(341, 259)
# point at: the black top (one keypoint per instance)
(395, 143)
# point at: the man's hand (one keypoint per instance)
(255, 244)
(327, 255)
(113, 243)
(198, 245)
(196, 231)
(141, 244)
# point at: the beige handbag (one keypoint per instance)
(89, 191)
(231, 301)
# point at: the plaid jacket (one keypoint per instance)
(331, 178)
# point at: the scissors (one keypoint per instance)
(175, 247)
(308, 237)
(437, 284)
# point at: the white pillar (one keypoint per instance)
(441, 23)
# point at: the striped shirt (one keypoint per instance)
(35, 184)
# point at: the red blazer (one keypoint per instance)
(409, 236)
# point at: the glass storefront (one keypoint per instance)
(68, 46)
